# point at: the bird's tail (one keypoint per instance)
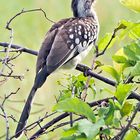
(25, 113)
(39, 80)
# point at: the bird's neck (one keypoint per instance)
(86, 13)
(81, 9)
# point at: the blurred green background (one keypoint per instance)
(29, 31)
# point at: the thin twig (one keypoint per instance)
(84, 93)
(71, 114)
(7, 51)
(63, 124)
(121, 26)
(26, 11)
(6, 121)
(121, 135)
(19, 48)
(5, 114)
(20, 77)
(32, 125)
(12, 93)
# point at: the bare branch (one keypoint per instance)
(7, 51)
(6, 121)
(20, 77)
(26, 11)
(12, 93)
(5, 116)
(19, 48)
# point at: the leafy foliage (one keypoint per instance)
(84, 129)
(132, 4)
(122, 92)
(77, 106)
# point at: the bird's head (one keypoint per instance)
(82, 8)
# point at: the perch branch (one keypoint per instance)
(88, 71)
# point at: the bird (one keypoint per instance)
(66, 43)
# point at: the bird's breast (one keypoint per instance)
(73, 62)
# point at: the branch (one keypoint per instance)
(19, 48)
(7, 52)
(6, 121)
(20, 77)
(26, 11)
(5, 114)
(88, 71)
(8, 96)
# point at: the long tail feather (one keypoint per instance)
(25, 113)
(39, 80)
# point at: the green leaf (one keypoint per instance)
(126, 109)
(90, 129)
(136, 69)
(132, 4)
(132, 51)
(65, 94)
(116, 122)
(138, 137)
(70, 131)
(85, 129)
(122, 92)
(77, 106)
(106, 131)
(110, 115)
(118, 106)
(79, 137)
(119, 59)
(81, 77)
(98, 63)
(132, 30)
(79, 83)
(136, 31)
(103, 111)
(131, 135)
(105, 40)
(110, 70)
